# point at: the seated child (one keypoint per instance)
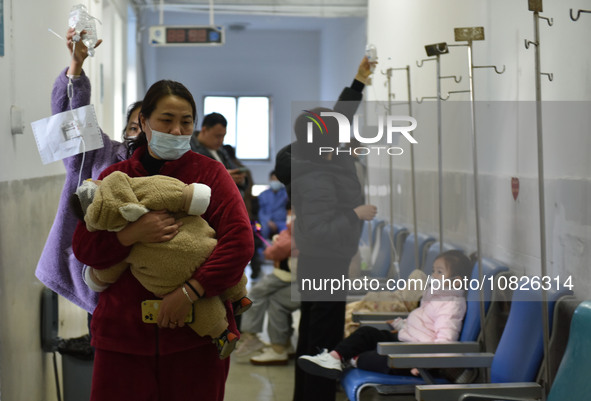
(401, 300)
(438, 319)
(162, 267)
(271, 296)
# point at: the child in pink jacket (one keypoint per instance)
(438, 319)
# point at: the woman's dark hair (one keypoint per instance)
(156, 92)
(458, 263)
(324, 138)
(132, 107)
(213, 119)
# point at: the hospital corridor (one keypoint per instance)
(295, 200)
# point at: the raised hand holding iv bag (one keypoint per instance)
(67, 134)
(372, 55)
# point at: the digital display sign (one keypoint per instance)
(186, 35)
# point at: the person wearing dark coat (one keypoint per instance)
(209, 142)
(327, 199)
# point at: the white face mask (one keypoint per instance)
(168, 146)
(275, 185)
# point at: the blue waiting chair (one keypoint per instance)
(399, 235)
(572, 379)
(384, 251)
(515, 363)
(368, 231)
(408, 263)
(354, 381)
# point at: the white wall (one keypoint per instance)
(32, 60)
(29, 191)
(342, 47)
(506, 129)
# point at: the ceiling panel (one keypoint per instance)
(304, 8)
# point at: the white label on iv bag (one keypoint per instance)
(67, 134)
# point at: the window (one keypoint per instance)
(248, 123)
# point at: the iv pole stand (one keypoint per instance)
(470, 35)
(435, 51)
(536, 7)
(412, 154)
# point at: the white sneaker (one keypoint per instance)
(324, 365)
(270, 357)
(247, 348)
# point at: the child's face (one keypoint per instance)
(440, 269)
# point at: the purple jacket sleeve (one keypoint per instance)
(57, 268)
(59, 94)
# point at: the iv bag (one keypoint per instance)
(371, 52)
(81, 20)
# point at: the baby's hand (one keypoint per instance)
(414, 372)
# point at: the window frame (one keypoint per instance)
(270, 140)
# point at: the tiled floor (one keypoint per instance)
(248, 382)
(263, 383)
(260, 383)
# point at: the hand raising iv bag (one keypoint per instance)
(80, 20)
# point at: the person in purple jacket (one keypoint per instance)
(57, 268)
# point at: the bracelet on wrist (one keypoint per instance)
(187, 294)
(193, 289)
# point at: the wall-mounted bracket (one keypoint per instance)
(456, 78)
(422, 99)
(579, 12)
(421, 62)
(454, 92)
(550, 21)
(497, 70)
(549, 75)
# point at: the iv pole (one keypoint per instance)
(412, 154)
(470, 35)
(435, 51)
(536, 7)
